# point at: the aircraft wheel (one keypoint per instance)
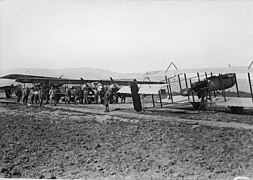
(236, 109)
(195, 105)
(199, 105)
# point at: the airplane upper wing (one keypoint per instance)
(222, 70)
(21, 76)
(53, 80)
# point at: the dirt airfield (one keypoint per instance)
(81, 141)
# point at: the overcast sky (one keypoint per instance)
(125, 36)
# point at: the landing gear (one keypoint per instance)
(236, 109)
(199, 105)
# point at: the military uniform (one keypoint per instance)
(107, 98)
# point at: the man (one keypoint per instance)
(31, 95)
(44, 94)
(18, 93)
(135, 96)
(85, 93)
(36, 95)
(52, 95)
(80, 95)
(101, 92)
(8, 93)
(26, 94)
(75, 94)
(109, 96)
(67, 96)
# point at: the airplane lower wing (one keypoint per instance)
(233, 101)
(146, 89)
(180, 99)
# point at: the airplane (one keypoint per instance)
(47, 81)
(212, 90)
(213, 83)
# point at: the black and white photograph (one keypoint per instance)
(126, 89)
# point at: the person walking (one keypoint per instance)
(109, 96)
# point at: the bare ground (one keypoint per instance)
(81, 141)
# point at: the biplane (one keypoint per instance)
(46, 82)
(207, 87)
(199, 87)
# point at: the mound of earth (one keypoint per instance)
(58, 142)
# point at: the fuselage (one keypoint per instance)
(225, 81)
(213, 83)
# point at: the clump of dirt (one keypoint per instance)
(48, 143)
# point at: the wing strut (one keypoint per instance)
(250, 65)
(250, 86)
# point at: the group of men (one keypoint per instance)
(75, 94)
(82, 95)
(27, 95)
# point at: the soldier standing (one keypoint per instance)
(109, 96)
(52, 95)
(18, 94)
(26, 94)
